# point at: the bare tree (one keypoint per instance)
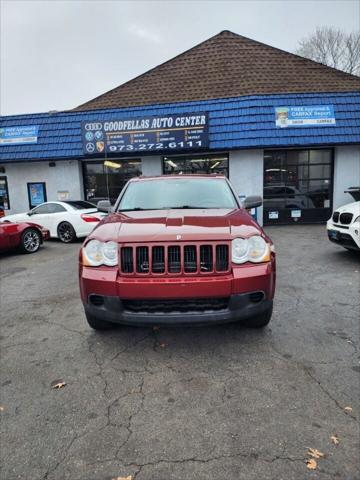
(333, 47)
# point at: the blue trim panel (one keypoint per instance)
(243, 122)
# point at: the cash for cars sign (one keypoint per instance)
(155, 133)
(317, 115)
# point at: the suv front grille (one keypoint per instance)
(346, 218)
(174, 259)
(335, 217)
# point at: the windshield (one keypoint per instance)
(177, 193)
(80, 204)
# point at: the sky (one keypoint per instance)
(56, 55)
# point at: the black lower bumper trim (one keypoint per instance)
(239, 307)
(344, 240)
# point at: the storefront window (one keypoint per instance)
(4, 194)
(298, 180)
(201, 164)
(105, 181)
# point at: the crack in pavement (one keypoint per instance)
(316, 380)
(252, 456)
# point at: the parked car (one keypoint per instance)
(66, 220)
(281, 196)
(25, 236)
(178, 250)
(343, 227)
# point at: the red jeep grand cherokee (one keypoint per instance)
(177, 250)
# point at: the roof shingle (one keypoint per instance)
(226, 65)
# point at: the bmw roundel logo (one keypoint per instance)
(90, 147)
(98, 135)
(89, 136)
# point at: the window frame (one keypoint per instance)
(195, 157)
(308, 164)
(4, 177)
(100, 161)
(31, 206)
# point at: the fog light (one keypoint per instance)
(96, 300)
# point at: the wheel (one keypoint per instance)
(66, 232)
(30, 240)
(260, 321)
(98, 324)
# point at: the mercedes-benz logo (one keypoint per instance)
(90, 147)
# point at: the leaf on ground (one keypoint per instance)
(311, 464)
(335, 439)
(156, 327)
(1, 408)
(129, 477)
(313, 452)
(348, 409)
(57, 384)
(163, 345)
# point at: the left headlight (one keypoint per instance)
(253, 249)
(97, 253)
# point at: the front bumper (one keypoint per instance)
(116, 291)
(347, 236)
(238, 308)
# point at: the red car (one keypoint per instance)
(26, 236)
(178, 250)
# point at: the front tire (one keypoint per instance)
(66, 232)
(98, 324)
(30, 240)
(260, 321)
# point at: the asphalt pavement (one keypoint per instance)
(209, 403)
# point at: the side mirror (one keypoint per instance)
(104, 206)
(30, 212)
(252, 201)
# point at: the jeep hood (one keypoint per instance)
(176, 225)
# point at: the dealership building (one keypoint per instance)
(276, 124)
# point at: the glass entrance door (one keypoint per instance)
(297, 186)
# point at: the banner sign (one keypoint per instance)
(318, 115)
(19, 135)
(168, 132)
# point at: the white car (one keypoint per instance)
(66, 220)
(344, 226)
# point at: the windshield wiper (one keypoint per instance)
(180, 207)
(137, 209)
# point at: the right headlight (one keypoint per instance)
(97, 253)
(253, 249)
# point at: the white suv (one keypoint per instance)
(344, 226)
